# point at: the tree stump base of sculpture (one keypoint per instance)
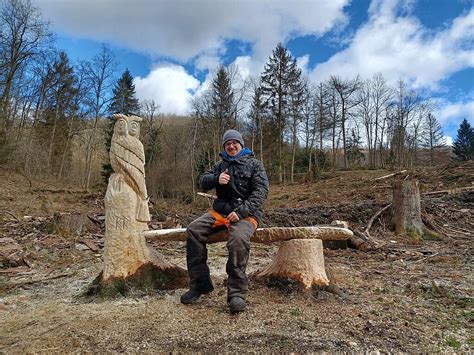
(129, 265)
(299, 261)
(147, 278)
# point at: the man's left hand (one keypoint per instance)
(233, 217)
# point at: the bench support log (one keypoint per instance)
(301, 260)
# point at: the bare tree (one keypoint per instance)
(257, 116)
(365, 110)
(406, 104)
(100, 74)
(333, 103)
(23, 35)
(43, 80)
(380, 94)
(298, 99)
(153, 123)
(346, 90)
(432, 135)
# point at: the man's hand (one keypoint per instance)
(224, 177)
(233, 217)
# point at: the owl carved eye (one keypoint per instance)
(134, 128)
(122, 126)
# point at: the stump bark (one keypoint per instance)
(406, 208)
(301, 260)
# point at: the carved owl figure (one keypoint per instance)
(128, 159)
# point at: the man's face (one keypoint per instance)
(232, 147)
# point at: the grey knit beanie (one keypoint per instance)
(232, 134)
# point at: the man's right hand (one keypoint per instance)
(224, 177)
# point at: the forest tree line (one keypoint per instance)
(55, 116)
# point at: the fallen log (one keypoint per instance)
(328, 234)
(360, 241)
(449, 191)
(390, 175)
(374, 217)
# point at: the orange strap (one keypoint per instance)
(253, 221)
(222, 221)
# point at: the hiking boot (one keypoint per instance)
(236, 305)
(192, 296)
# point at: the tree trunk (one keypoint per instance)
(90, 151)
(53, 134)
(406, 208)
(335, 237)
(301, 260)
(128, 262)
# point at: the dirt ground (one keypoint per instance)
(406, 296)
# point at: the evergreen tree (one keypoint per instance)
(222, 105)
(125, 102)
(59, 109)
(463, 146)
(216, 110)
(223, 99)
(354, 154)
(281, 79)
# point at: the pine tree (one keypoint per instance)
(125, 102)
(223, 99)
(280, 78)
(463, 146)
(354, 154)
(216, 110)
(59, 110)
(222, 105)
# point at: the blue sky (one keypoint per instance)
(173, 47)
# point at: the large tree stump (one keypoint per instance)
(301, 260)
(406, 208)
(128, 262)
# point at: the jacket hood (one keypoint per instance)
(242, 154)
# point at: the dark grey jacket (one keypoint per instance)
(246, 191)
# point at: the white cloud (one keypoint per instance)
(184, 29)
(302, 63)
(169, 86)
(454, 113)
(207, 61)
(400, 47)
(247, 67)
(448, 140)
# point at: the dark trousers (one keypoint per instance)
(238, 247)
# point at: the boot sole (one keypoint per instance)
(191, 300)
(194, 299)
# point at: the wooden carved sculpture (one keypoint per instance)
(128, 262)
